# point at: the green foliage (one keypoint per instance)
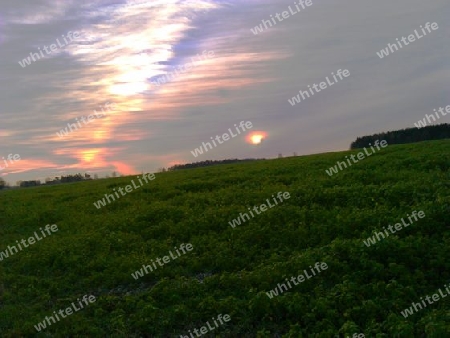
(408, 135)
(230, 270)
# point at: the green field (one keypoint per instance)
(363, 290)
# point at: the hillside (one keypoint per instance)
(231, 271)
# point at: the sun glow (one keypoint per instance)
(89, 156)
(256, 137)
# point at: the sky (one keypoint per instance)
(121, 60)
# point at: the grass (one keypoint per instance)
(230, 270)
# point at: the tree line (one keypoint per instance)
(408, 135)
(208, 163)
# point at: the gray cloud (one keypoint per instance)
(250, 77)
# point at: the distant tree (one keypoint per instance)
(34, 183)
(72, 178)
(2, 183)
(295, 154)
(402, 136)
(95, 177)
(280, 155)
(208, 163)
(114, 174)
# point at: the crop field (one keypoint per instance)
(215, 268)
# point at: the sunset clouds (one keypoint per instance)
(123, 47)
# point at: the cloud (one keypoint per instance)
(125, 45)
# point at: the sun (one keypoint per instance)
(256, 137)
